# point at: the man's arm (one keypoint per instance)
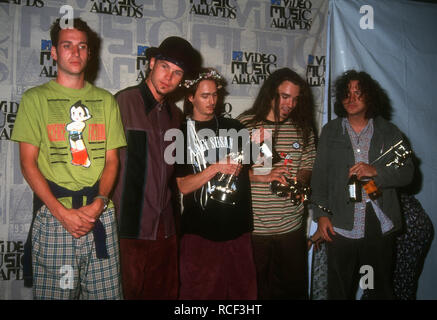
(277, 173)
(320, 187)
(304, 176)
(195, 181)
(106, 184)
(73, 221)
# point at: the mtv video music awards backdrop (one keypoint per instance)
(245, 40)
(394, 41)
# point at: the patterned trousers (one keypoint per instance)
(67, 268)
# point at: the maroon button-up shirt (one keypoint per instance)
(143, 196)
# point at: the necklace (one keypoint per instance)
(216, 123)
(199, 157)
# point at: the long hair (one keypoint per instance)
(302, 114)
(375, 97)
(192, 85)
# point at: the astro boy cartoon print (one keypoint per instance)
(79, 113)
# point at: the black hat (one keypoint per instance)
(178, 51)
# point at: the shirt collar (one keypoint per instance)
(345, 124)
(149, 100)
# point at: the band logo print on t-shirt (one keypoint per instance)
(202, 153)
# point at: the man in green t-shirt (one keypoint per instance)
(69, 133)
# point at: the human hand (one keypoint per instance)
(304, 176)
(93, 210)
(76, 222)
(325, 225)
(228, 166)
(278, 174)
(316, 239)
(363, 170)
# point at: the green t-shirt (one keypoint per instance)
(73, 129)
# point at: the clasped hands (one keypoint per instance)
(78, 222)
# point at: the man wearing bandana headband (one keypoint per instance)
(216, 259)
(143, 197)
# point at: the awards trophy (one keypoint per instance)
(399, 153)
(294, 189)
(224, 191)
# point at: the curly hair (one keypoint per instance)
(191, 91)
(302, 115)
(375, 97)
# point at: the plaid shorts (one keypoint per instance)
(67, 268)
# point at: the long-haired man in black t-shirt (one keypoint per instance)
(216, 259)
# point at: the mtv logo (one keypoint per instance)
(46, 45)
(310, 59)
(275, 2)
(237, 55)
(142, 51)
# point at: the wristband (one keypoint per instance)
(105, 201)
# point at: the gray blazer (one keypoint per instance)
(330, 173)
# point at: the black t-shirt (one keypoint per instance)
(203, 215)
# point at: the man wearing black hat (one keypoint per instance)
(143, 195)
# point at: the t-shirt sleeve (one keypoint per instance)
(309, 153)
(253, 149)
(114, 129)
(27, 127)
(183, 170)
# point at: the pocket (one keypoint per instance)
(109, 221)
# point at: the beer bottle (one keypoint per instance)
(270, 154)
(372, 190)
(354, 189)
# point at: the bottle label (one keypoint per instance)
(352, 191)
(266, 150)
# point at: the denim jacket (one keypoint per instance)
(330, 173)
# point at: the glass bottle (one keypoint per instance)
(277, 188)
(270, 153)
(372, 190)
(354, 189)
